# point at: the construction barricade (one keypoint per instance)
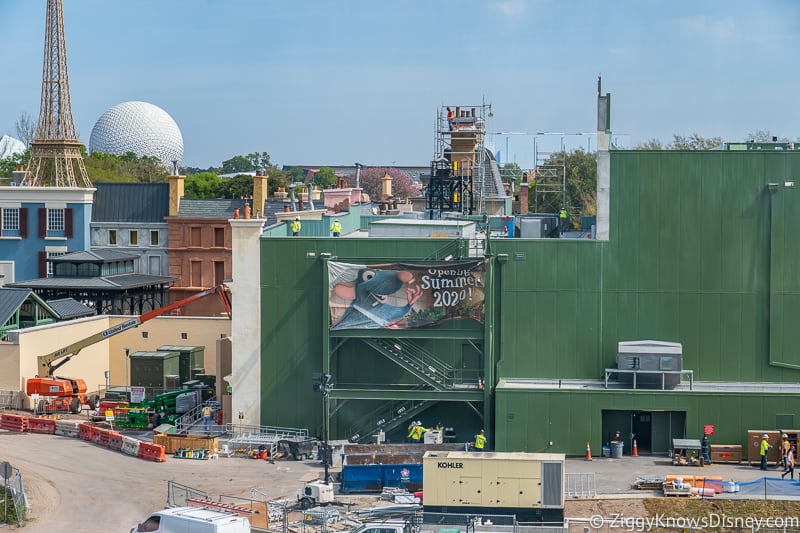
(14, 422)
(152, 452)
(67, 428)
(101, 436)
(130, 446)
(85, 431)
(114, 441)
(42, 425)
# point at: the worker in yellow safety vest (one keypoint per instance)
(562, 218)
(296, 227)
(207, 418)
(418, 432)
(480, 441)
(336, 228)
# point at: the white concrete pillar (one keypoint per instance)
(603, 185)
(246, 320)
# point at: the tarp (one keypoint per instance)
(404, 296)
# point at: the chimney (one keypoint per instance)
(259, 192)
(386, 186)
(247, 211)
(523, 194)
(175, 193)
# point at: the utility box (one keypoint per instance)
(190, 357)
(649, 359)
(150, 369)
(528, 485)
(433, 436)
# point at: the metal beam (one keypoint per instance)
(410, 333)
(407, 394)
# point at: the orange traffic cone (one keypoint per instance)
(588, 452)
(635, 452)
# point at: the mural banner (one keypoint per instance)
(403, 296)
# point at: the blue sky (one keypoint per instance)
(337, 82)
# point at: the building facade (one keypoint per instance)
(41, 222)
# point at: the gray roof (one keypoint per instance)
(117, 281)
(100, 255)
(210, 208)
(68, 308)
(10, 301)
(130, 202)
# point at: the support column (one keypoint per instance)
(246, 323)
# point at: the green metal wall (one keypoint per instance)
(528, 420)
(700, 253)
(294, 324)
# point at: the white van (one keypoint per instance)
(194, 520)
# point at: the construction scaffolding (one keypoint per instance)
(550, 191)
(458, 180)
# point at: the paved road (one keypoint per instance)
(77, 486)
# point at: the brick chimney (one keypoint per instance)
(175, 193)
(523, 194)
(259, 193)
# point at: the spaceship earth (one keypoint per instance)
(141, 128)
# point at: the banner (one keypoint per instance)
(403, 296)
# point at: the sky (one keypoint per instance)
(333, 83)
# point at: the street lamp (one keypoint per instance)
(321, 383)
(127, 387)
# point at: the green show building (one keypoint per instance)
(697, 252)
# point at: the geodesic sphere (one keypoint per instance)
(141, 128)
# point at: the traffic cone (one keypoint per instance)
(635, 452)
(588, 452)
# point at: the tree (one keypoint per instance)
(26, 128)
(238, 163)
(259, 160)
(511, 171)
(325, 178)
(695, 142)
(581, 180)
(402, 184)
(650, 144)
(203, 185)
(11, 163)
(764, 136)
(240, 186)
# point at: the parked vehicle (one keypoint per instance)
(193, 520)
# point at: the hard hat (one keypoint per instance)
(764, 436)
(785, 436)
(297, 218)
(481, 431)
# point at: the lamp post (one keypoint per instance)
(127, 387)
(321, 383)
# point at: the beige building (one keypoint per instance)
(18, 356)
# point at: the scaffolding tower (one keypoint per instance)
(458, 170)
(550, 192)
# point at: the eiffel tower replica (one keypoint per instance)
(55, 151)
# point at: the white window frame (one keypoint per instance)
(53, 251)
(55, 219)
(9, 215)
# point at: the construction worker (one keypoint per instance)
(419, 432)
(785, 447)
(411, 430)
(296, 227)
(480, 441)
(207, 418)
(562, 219)
(788, 467)
(336, 228)
(764, 448)
(451, 115)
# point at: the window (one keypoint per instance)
(134, 237)
(50, 253)
(195, 236)
(10, 220)
(154, 238)
(184, 336)
(145, 334)
(196, 274)
(112, 236)
(219, 272)
(55, 220)
(219, 237)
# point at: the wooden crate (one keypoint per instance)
(754, 446)
(726, 453)
(171, 443)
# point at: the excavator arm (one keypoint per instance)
(51, 362)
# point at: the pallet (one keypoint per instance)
(677, 493)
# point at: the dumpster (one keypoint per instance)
(372, 474)
(616, 448)
(300, 449)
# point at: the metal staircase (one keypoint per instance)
(386, 417)
(424, 365)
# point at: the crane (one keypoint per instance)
(69, 394)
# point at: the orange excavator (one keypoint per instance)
(58, 394)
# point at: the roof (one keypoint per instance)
(10, 301)
(68, 308)
(209, 208)
(100, 255)
(130, 202)
(117, 281)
